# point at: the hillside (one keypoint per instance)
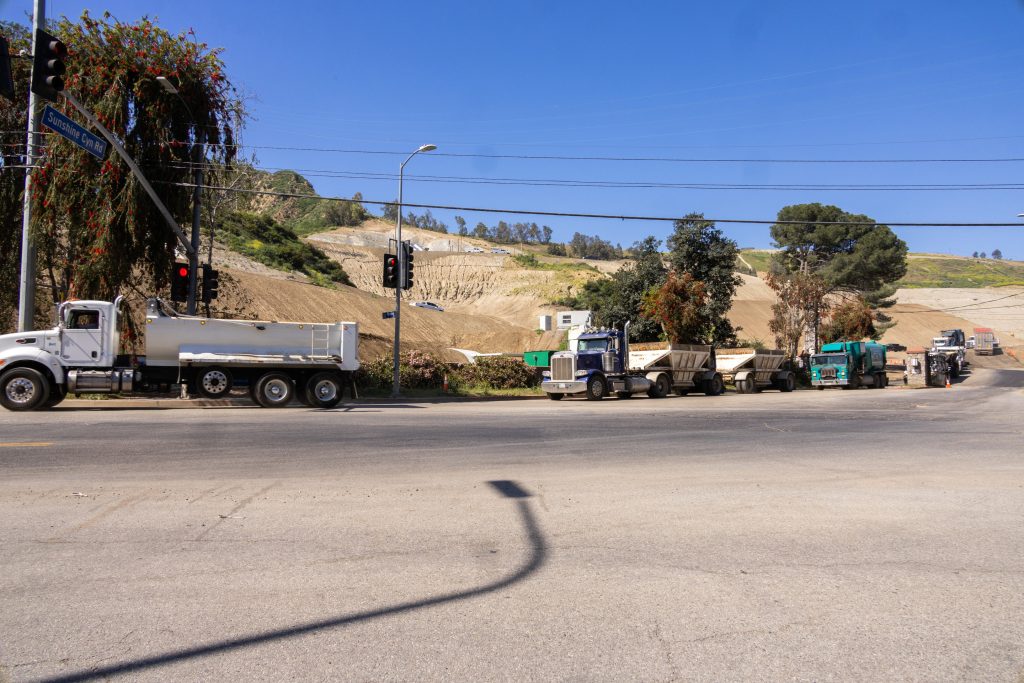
(930, 270)
(492, 300)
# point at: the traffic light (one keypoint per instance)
(390, 271)
(210, 283)
(406, 265)
(179, 282)
(48, 66)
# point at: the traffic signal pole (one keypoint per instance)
(27, 284)
(193, 258)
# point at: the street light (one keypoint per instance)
(396, 385)
(197, 174)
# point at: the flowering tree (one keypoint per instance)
(676, 306)
(99, 234)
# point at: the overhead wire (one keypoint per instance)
(609, 184)
(566, 214)
(687, 160)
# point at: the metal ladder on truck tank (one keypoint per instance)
(321, 340)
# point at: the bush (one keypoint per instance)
(418, 370)
(497, 372)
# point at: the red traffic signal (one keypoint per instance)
(179, 282)
(390, 271)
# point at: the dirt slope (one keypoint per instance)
(281, 299)
(492, 303)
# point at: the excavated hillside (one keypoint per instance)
(492, 302)
(487, 284)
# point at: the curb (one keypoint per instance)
(183, 403)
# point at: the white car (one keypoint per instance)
(474, 250)
(499, 250)
(426, 304)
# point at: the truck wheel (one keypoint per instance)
(661, 387)
(745, 386)
(596, 388)
(214, 382)
(274, 390)
(788, 383)
(58, 392)
(23, 389)
(714, 386)
(556, 397)
(324, 389)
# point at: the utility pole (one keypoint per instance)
(27, 285)
(193, 258)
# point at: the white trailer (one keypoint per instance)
(751, 370)
(278, 360)
(688, 367)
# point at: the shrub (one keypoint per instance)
(417, 370)
(497, 372)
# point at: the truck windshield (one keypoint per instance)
(830, 359)
(593, 344)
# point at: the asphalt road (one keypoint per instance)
(870, 535)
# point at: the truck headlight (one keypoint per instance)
(545, 373)
(581, 373)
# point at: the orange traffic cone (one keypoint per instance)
(445, 386)
(948, 385)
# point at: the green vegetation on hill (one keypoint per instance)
(953, 271)
(758, 259)
(303, 215)
(533, 263)
(263, 239)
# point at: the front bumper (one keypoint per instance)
(571, 387)
(830, 382)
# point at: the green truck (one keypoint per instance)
(850, 365)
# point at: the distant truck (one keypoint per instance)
(951, 345)
(850, 365)
(278, 360)
(985, 342)
(751, 370)
(604, 363)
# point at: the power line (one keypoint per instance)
(560, 157)
(565, 214)
(556, 182)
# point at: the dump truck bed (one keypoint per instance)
(171, 341)
(683, 360)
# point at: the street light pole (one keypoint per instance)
(197, 175)
(396, 383)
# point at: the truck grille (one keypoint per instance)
(563, 369)
(828, 373)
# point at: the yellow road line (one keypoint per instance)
(27, 444)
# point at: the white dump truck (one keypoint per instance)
(751, 370)
(279, 361)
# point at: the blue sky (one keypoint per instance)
(749, 80)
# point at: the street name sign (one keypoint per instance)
(62, 125)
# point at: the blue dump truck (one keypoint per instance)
(604, 363)
(850, 365)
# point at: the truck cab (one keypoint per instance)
(598, 355)
(830, 369)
